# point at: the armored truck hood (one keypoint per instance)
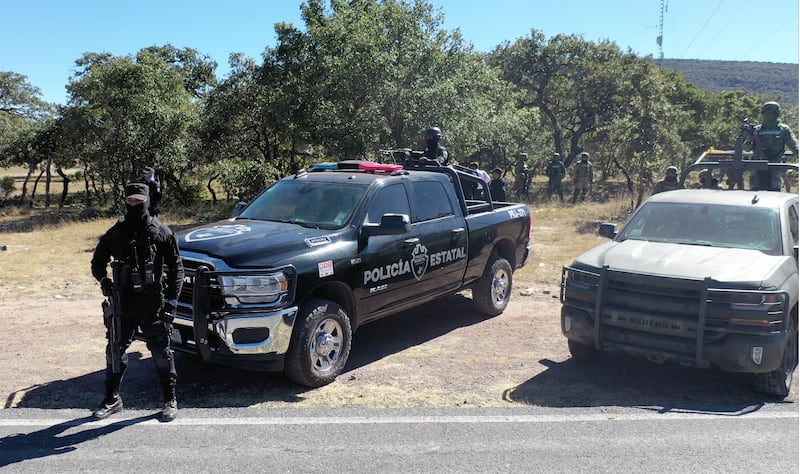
(736, 266)
(246, 243)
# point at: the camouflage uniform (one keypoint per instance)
(769, 141)
(669, 183)
(522, 176)
(582, 177)
(555, 173)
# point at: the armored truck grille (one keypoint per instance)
(190, 267)
(656, 312)
(653, 295)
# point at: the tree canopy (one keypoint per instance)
(357, 77)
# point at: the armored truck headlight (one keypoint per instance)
(756, 301)
(584, 279)
(254, 289)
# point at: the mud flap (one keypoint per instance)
(201, 312)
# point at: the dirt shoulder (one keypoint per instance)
(440, 354)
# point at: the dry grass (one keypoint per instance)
(51, 261)
(561, 232)
(55, 260)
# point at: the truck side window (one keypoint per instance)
(430, 200)
(793, 222)
(390, 200)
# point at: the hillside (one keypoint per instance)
(773, 80)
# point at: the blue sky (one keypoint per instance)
(41, 39)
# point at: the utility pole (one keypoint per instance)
(660, 38)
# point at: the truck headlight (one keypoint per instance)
(756, 301)
(584, 279)
(254, 289)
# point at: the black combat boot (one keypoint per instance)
(170, 410)
(111, 404)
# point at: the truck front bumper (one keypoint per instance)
(248, 336)
(732, 353)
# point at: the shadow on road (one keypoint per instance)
(210, 385)
(619, 380)
(52, 441)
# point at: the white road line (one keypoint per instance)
(379, 420)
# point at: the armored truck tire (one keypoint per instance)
(492, 292)
(582, 352)
(320, 344)
(779, 382)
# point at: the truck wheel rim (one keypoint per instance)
(326, 346)
(499, 286)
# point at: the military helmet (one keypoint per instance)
(672, 169)
(433, 132)
(772, 107)
(583, 153)
(556, 156)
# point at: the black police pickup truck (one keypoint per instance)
(283, 285)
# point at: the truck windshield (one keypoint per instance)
(707, 224)
(307, 203)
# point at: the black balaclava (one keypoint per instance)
(137, 216)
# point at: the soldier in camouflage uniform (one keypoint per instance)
(582, 177)
(670, 181)
(522, 174)
(555, 173)
(769, 140)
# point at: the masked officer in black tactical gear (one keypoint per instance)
(151, 279)
(433, 150)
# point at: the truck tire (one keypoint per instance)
(779, 382)
(320, 344)
(492, 292)
(582, 352)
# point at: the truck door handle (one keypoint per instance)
(413, 241)
(458, 231)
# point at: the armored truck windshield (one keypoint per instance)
(314, 204)
(707, 224)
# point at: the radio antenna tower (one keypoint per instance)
(660, 38)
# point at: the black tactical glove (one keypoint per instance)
(107, 286)
(167, 314)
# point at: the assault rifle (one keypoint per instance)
(735, 168)
(399, 156)
(112, 313)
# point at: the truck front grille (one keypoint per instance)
(654, 312)
(190, 269)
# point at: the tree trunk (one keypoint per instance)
(31, 167)
(211, 189)
(640, 195)
(628, 179)
(88, 198)
(35, 185)
(48, 177)
(66, 186)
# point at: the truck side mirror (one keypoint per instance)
(391, 224)
(608, 229)
(238, 208)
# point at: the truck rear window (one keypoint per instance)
(707, 224)
(310, 204)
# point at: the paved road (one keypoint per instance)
(759, 438)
